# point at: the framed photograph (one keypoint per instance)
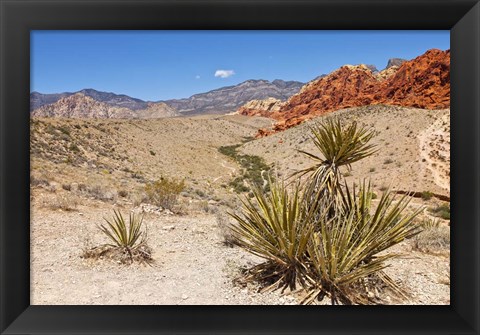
(239, 167)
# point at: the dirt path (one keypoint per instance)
(223, 164)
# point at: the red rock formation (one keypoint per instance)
(423, 82)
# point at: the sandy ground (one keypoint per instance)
(192, 264)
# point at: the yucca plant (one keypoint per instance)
(276, 227)
(321, 233)
(128, 242)
(118, 232)
(345, 249)
(338, 146)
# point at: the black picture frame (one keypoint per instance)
(18, 17)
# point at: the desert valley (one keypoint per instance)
(185, 164)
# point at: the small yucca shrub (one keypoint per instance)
(164, 192)
(121, 235)
(128, 242)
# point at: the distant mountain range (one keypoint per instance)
(228, 99)
(93, 103)
(90, 103)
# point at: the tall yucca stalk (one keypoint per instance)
(276, 227)
(340, 146)
(345, 249)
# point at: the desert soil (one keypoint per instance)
(192, 264)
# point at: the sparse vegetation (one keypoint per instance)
(254, 170)
(164, 192)
(442, 211)
(426, 195)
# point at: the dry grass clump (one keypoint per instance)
(225, 229)
(322, 235)
(129, 243)
(98, 192)
(64, 202)
(39, 181)
(164, 192)
(434, 239)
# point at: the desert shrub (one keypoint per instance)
(225, 229)
(430, 223)
(442, 211)
(123, 193)
(320, 233)
(67, 187)
(99, 193)
(64, 130)
(434, 239)
(128, 243)
(388, 161)
(372, 169)
(426, 195)
(152, 153)
(200, 193)
(63, 202)
(38, 181)
(164, 192)
(73, 147)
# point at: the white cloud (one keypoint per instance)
(197, 77)
(224, 73)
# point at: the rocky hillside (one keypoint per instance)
(228, 99)
(38, 100)
(80, 105)
(220, 101)
(423, 82)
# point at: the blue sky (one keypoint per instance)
(160, 65)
